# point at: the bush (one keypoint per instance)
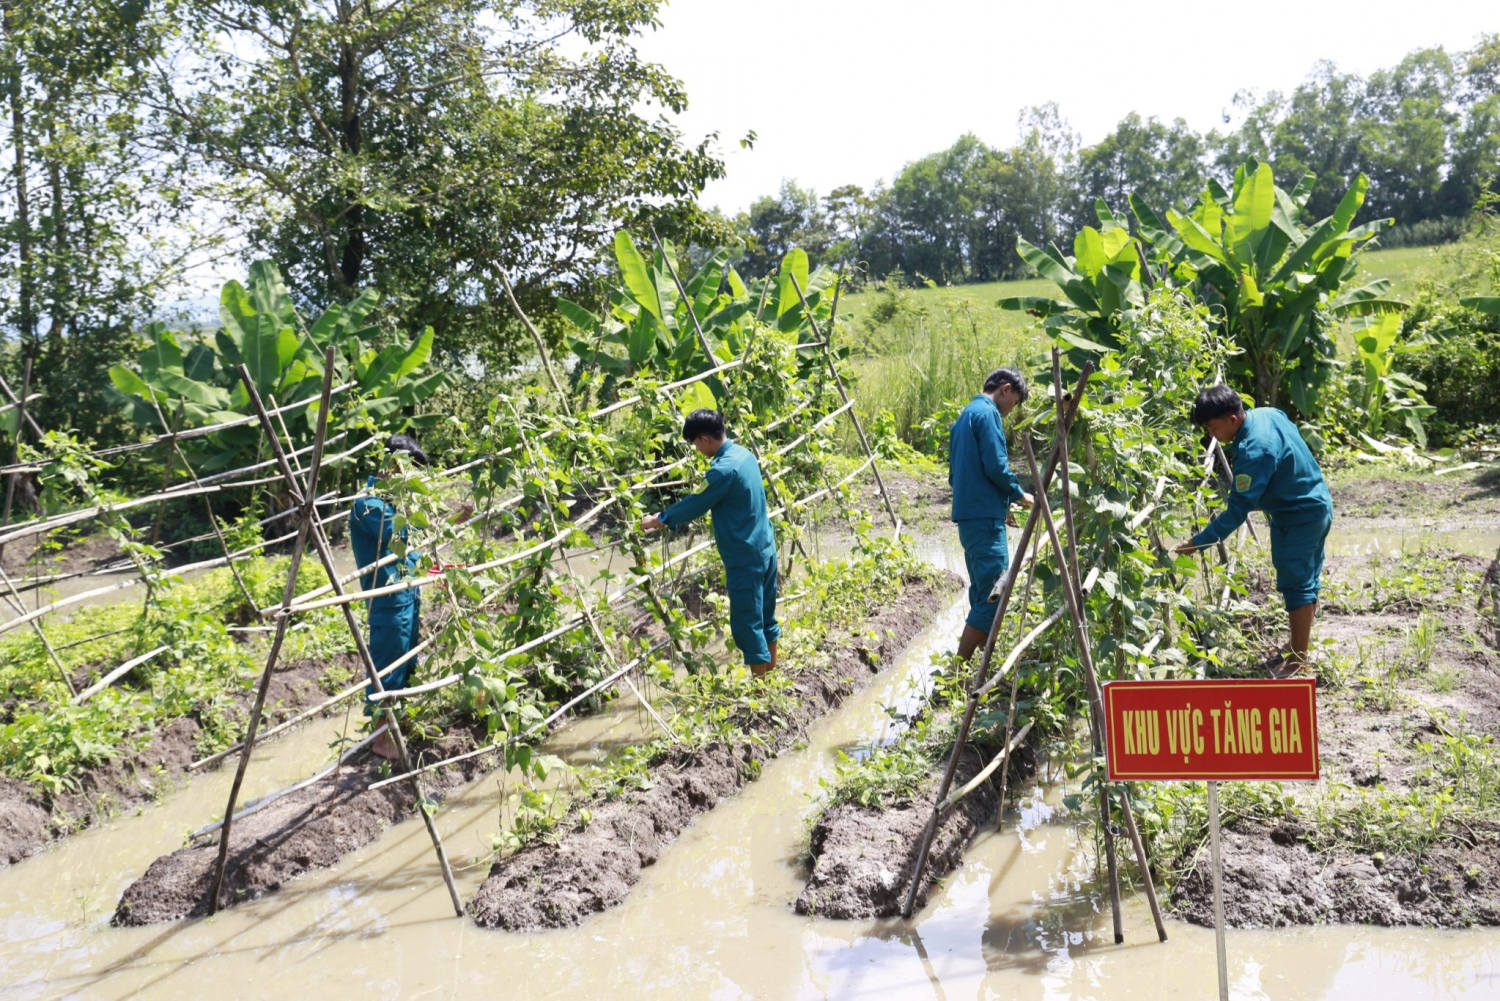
(1426, 232)
(1460, 368)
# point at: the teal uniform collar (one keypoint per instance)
(724, 447)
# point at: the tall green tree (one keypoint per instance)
(93, 224)
(1160, 161)
(423, 147)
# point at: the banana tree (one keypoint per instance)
(1101, 282)
(648, 326)
(193, 379)
(1389, 396)
(1274, 286)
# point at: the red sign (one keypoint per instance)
(1221, 730)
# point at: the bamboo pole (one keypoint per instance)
(287, 596)
(198, 432)
(536, 336)
(838, 380)
(325, 553)
(13, 599)
(10, 483)
(1008, 583)
(979, 779)
(115, 675)
(1096, 712)
(15, 401)
(269, 798)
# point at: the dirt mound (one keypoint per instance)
(593, 866)
(1272, 881)
(30, 819)
(310, 829)
(863, 856)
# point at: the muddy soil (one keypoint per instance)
(1470, 494)
(863, 856)
(1371, 739)
(309, 829)
(31, 819)
(593, 866)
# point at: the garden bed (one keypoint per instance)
(31, 818)
(592, 866)
(863, 855)
(1404, 828)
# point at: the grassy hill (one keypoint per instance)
(917, 348)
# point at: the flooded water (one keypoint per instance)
(1365, 537)
(712, 918)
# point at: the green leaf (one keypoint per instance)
(1035, 304)
(1482, 303)
(636, 275)
(696, 397)
(1254, 202)
(268, 295)
(163, 353)
(197, 392)
(1195, 236)
(578, 316)
(128, 382)
(794, 263)
(267, 350)
(1107, 219)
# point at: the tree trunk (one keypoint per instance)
(27, 318)
(58, 212)
(350, 139)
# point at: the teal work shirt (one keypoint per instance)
(978, 466)
(372, 525)
(1274, 471)
(737, 499)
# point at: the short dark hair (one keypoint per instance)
(701, 422)
(1007, 377)
(406, 443)
(1215, 402)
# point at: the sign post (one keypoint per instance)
(1214, 731)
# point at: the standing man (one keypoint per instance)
(395, 619)
(984, 488)
(742, 532)
(1274, 471)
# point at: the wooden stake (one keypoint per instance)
(536, 337)
(288, 595)
(1074, 592)
(325, 553)
(838, 381)
(1219, 946)
(10, 485)
(1007, 587)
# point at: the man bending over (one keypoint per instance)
(1274, 471)
(742, 532)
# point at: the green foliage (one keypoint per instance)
(197, 380)
(1272, 285)
(649, 326)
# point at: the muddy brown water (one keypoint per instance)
(713, 918)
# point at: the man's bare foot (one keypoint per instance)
(385, 747)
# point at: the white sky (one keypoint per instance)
(847, 92)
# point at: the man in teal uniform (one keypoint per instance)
(1274, 471)
(984, 488)
(395, 619)
(742, 532)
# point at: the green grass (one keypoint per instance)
(916, 350)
